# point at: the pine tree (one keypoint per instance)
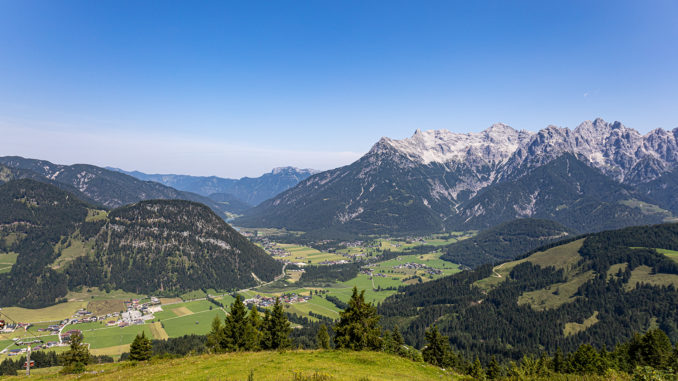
(398, 342)
(215, 338)
(265, 331)
(493, 369)
(358, 326)
(437, 350)
(322, 338)
(279, 328)
(558, 363)
(387, 344)
(77, 357)
(476, 371)
(253, 334)
(236, 327)
(140, 349)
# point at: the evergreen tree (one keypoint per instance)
(652, 349)
(140, 349)
(586, 360)
(437, 351)
(558, 363)
(476, 370)
(398, 342)
(216, 337)
(358, 326)
(7, 368)
(387, 344)
(265, 331)
(322, 338)
(493, 369)
(77, 357)
(253, 334)
(279, 328)
(236, 327)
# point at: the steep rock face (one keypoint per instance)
(564, 190)
(433, 176)
(618, 151)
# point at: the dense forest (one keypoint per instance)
(505, 242)
(605, 307)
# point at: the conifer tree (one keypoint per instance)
(265, 331)
(236, 326)
(437, 350)
(493, 369)
(476, 371)
(398, 342)
(253, 334)
(387, 344)
(77, 357)
(216, 338)
(358, 326)
(279, 327)
(140, 349)
(322, 338)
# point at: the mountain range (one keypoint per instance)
(598, 176)
(248, 190)
(100, 186)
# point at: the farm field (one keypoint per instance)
(7, 260)
(673, 254)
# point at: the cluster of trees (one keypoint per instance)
(649, 354)
(248, 331)
(505, 241)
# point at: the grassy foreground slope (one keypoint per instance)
(336, 365)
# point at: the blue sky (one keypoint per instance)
(236, 88)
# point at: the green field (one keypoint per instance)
(563, 257)
(113, 336)
(7, 260)
(197, 323)
(644, 274)
(574, 328)
(555, 295)
(673, 254)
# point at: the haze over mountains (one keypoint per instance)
(439, 180)
(251, 191)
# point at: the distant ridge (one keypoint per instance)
(251, 191)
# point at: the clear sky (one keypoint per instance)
(236, 88)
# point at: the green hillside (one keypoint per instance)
(293, 365)
(598, 289)
(505, 241)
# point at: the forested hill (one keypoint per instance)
(597, 289)
(165, 247)
(506, 241)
